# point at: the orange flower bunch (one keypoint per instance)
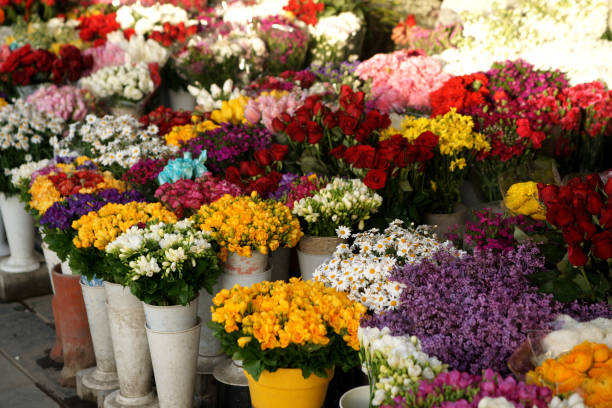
(587, 369)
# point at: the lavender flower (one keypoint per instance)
(474, 312)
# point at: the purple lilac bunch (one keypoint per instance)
(482, 310)
(519, 79)
(228, 144)
(61, 214)
(462, 390)
(287, 44)
(493, 230)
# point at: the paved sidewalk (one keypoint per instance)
(28, 378)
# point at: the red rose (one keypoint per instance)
(329, 120)
(361, 156)
(263, 157)
(584, 223)
(572, 235)
(594, 204)
(608, 187)
(250, 169)
(559, 215)
(338, 152)
(278, 151)
(428, 139)
(576, 255)
(547, 192)
(315, 132)
(277, 125)
(375, 179)
(602, 245)
(232, 174)
(347, 123)
(605, 218)
(296, 132)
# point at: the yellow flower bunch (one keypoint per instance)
(98, 228)
(241, 224)
(181, 134)
(231, 111)
(456, 132)
(522, 198)
(278, 314)
(587, 368)
(3, 102)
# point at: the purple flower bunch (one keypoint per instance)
(287, 44)
(493, 230)
(473, 312)
(519, 79)
(462, 390)
(228, 144)
(61, 214)
(292, 188)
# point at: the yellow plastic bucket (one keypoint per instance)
(286, 387)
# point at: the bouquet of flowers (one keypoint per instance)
(393, 363)
(402, 80)
(292, 188)
(95, 27)
(65, 177)
(185, 197)
(66, 102)
(148, 19)
(57, 220)
(96, 229)
(164, 264)
(522, 199)
(25, 134)
(137, 49)
(49, 35)
(209, 100)
(581, 212)
(363, 269)
(106, 55)
(287, 44)
(336, 75)
(586, 369)
(340, 205)
(312, 327)
(335, 38)
(490, 288)
(127, 83)
(142, 176)
(179, 135)
(268, 106)
(457, 147)
(407, 34)
(305, 10)
(286, 81)
(246, 223)
(229, 144)
(166, 119)
(115, 142)
(172, 34)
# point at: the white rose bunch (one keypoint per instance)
(364, 269)
(393, 363)
(138, 50)
(341, 203)
(334, 38)
(125, 82)
(211, 99)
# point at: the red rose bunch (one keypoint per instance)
(459, 92)
(76, 182)
(96, 27)
(173, 34)
(262, 174)
(25, 66)
(71, 64)
(165, 119)
(582, 211)
(305, 10)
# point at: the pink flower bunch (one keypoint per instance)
(185, 197)
(402, 79)
(67, 102)
(305, 186)
(265, 108)
(107, 55)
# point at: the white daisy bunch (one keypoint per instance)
(128, 82)
(25, 134)
(334, 38)
(364, 269)
(210, 99)
(137, 49)
(340, 203)
(160, 248)
(112, 141)
(393, 363)
(146, 19)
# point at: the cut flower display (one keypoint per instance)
(313, 328)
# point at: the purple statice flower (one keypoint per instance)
(61, 214)
(473, 312)
(228, 145)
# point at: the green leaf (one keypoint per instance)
(565, 290)
(310, 164)
(405, 185)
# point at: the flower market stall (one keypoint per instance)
(278, 203)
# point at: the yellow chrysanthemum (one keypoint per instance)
(523, 199)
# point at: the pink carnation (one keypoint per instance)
(106, 55)
(66, 102)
